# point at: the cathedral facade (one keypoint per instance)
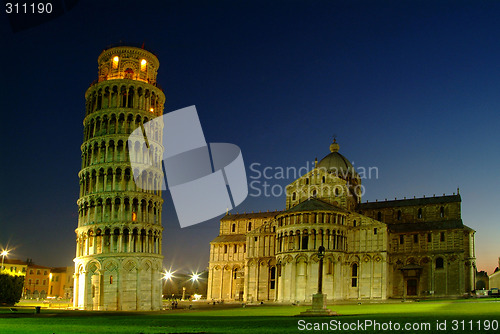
(409, 248)
(118, 259)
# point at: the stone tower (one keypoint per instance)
(118, 260)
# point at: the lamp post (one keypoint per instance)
(321, 255)
(4, 254)
(319, 299)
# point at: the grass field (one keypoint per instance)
(479, 316)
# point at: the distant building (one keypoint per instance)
(482, 280)
(61, 282)
(36, 282)
(15, 266)
(410, 248)
(495, 277)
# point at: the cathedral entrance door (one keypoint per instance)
(411, 287)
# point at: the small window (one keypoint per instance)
(314, 192)
(442, 236)
(419, 215)
(401, 239)
(274, 229)
(439, 263)
(235, 249)
(415, 238)
(37, 281)
(354, 223)
(294, 196)
(38, 272)
(31, 271)
(235, 273)
(379, 216)
(323, 179)
(307, 180)
(244, 248)
(255, 239)
(429, 237)
(111, 279)
(233, 229)
(305, 242)
(225, 249)
(375, 230)
(354, 275)
(441, 212)
(250, 226)
(399, 214)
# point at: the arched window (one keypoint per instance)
(441, 211)
(272, 278)
(379, 216)
(305, 241)
(233, 229)
(323, 179)
(354, 275)
(235, 249)
(307, 180)
(294, 196)
(419, 215)
(314, 192)
(225, 249)
(399, 214)
(439, 263)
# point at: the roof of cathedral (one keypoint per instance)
(314, 204)
(336, 161)
(230, 238)
(261, 215)
(426, 226)
(410, 202)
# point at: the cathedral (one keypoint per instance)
(408, 248)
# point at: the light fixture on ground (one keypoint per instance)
(319, 299)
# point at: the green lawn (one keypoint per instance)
(260, 319)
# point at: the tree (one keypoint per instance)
(11, 288)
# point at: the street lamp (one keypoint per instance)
(168, 275)
(4, 254)
(195, 277)
(319, 299)
(321, 255)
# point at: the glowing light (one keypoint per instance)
(152, 109)
(134, 216)
(168, 275)
(115, 61)
(5, 253)
(195, 277)
(196, 296)
(143, 64)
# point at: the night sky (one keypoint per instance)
(411, 88)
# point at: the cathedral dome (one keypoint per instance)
(336, 162)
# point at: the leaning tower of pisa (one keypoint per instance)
(118, 260)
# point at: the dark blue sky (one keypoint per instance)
(411, 88)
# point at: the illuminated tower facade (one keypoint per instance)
(118, 260)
